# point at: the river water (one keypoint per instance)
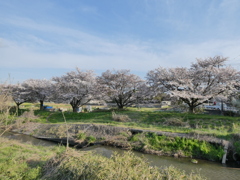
(211, 170)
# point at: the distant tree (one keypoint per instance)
(122, 87)
(235, 96)
(19, 94)
(38, 90)
(203, 81)
(77, 88)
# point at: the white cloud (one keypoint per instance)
(136, 57)
(49, 46)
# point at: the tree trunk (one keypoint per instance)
(75, 108)
(119, 103)
(18, 105)
(222, 108)
(120, 107)
(191, 109)
(75, 103)
(41, 105)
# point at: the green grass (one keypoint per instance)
(75, 165)
(149, 118)
(183, 146)
(23, 161)
(28, 162)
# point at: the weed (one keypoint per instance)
(23, 161)
(120, 117)
(187, 147)
(28, 116)
(81, 136)
(125, 134)
(59, 131)
(90, 139)
(6, 116)
(175, 122)
(75, 165)
(135, 138)
(102, 139)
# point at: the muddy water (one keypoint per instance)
(211, 170)
(28, 139)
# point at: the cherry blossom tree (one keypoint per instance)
(235, 96)
(122, 87)
(204, 80)
(77, 88)
(19, 94)
(38, 90)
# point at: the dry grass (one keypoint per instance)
(175, 122)
(59, 131)
(75, 165)
(120, 117)
(6, 100)
(28, 115)
(23, 161)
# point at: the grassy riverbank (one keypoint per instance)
(23, 161)
(28, 162)
(148, 118)
(176, 146)
(196, 126)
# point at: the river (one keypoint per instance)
(211, 170)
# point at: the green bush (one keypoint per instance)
(231, 113)
(91, 139)
(237, 147)
(81, 136)
(134, 138)
(190, 147)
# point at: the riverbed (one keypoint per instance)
(211, 170)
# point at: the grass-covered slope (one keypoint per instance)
(28, 162)
(146, 118)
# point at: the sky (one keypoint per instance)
(47, 38)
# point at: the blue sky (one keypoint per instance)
(42, 39)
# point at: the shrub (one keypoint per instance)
(75, 165)
(190, 147)
(91, 139)
(6, 117)
(175, 122)
(230, 113)
(237, 147)
(81, 136)
(58, 131)
(135, 138)
(120, 117)
(28, 115)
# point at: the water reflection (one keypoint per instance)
(28, 139)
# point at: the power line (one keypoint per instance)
(236, 63)
(236, 57)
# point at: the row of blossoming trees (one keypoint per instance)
(205, 79)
